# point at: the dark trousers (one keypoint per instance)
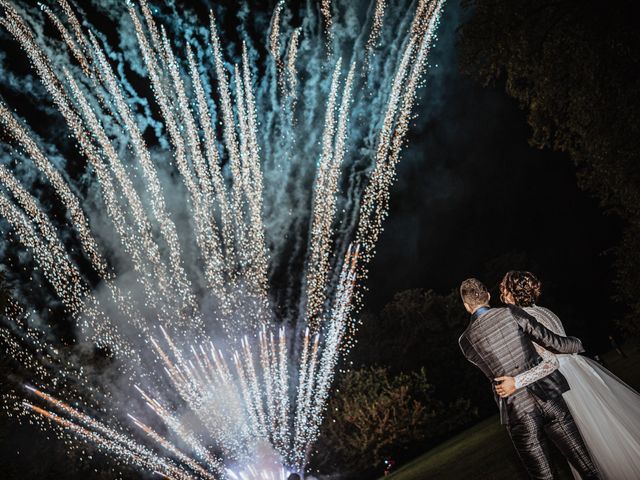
(528, 429)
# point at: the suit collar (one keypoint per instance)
(479, 312)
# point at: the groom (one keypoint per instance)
(498, 342)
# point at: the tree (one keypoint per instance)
(419, 328)
(571, 66)
(375, 415)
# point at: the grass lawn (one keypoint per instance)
(485, 450)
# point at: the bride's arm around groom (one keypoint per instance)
(605, 409)
(499, 341)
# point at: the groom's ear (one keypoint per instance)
(488, 298)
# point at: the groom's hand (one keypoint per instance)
(505, 386)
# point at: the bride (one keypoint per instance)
(605, 409)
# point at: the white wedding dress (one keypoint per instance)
(605, 409)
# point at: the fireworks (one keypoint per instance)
(211, 380)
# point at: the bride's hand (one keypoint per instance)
(506, 386)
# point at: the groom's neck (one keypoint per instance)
(479, 307)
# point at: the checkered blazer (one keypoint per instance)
(498, 342)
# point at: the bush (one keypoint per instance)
(375, 415)
(420, 328)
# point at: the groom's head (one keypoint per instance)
(474, 294)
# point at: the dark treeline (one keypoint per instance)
(572, 66)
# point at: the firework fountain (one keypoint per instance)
(281, 162)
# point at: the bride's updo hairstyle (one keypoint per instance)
(524, 286)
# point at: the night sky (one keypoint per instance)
(474, 199)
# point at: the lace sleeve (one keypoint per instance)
(548, 364)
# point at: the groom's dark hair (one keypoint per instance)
(473, 292)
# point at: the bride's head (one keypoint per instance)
(520, 288)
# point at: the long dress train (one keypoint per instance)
(606, 410)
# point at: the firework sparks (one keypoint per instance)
(376, 26)
(213, 381)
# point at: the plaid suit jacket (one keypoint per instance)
(498, 342)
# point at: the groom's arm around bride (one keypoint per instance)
(499, 342)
